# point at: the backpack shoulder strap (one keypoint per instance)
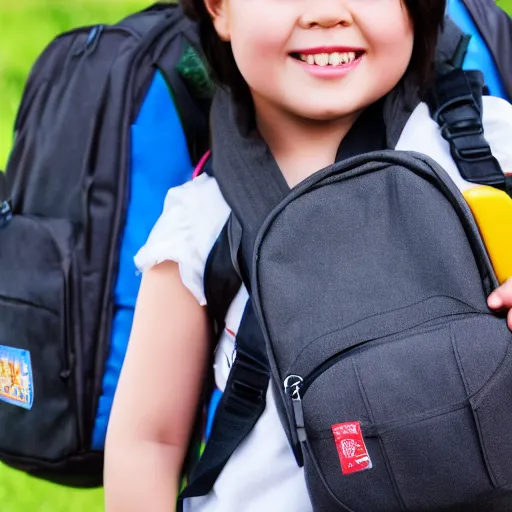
(244, 398)
(451, 48)
(455, 103)
(253, 186)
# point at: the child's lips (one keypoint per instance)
(334, 67)
(328, 49)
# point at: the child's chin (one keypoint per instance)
(327, 113)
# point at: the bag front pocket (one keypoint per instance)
(412, 396)
(38, 410)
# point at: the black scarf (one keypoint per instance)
(239, 151)
(247, 171)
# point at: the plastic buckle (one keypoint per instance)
(451, 105)
(247, 388)
(468, 126)
(243, 398)
(474, 154)
(471, 127)
(246, 392)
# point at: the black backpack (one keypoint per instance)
(367, 314)
(68, 183)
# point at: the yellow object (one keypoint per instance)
(492, 210)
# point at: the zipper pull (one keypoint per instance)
(91, 42)
(93, 36)
(5, 212)
(292, 387)
(5, 201)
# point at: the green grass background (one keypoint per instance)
(26, 26)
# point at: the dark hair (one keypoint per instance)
(427, 17)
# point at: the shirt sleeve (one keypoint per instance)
(192, 218)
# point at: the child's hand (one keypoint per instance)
(501, 298)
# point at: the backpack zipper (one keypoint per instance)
(295, 386)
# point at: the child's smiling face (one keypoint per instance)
(317, 59)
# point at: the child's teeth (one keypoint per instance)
(329, 59)
(322, 59)
(335, 59)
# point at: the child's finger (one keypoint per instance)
(501, 297)
(509, 319)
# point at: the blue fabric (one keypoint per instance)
(159, 161)
(212, 409)
(478, 56)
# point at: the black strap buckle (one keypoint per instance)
(247, 385)
(247, 392)
(469, 127)
(474, 154)
(452, 104)
(458, 118)
(460, 121)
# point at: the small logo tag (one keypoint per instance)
(16, 383)
(351, 448)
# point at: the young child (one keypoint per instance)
(311, 74)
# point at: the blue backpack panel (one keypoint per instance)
(154, 170)
(478, 54)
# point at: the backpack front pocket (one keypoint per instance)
(412, 396)
(37, 354)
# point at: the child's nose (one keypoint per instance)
(326, 14)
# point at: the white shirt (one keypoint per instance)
(262, 475)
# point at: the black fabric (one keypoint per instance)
(495, 26)
(367, 134)
(68, 178)
(455, 102)
(451, 48)
(4, 190)
(235, 139)
(221, 281)
(5, 201)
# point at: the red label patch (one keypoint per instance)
(351, 448)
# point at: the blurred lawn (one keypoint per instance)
(26, 26)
